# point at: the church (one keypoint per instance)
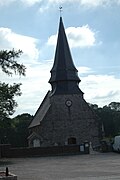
(64, 117)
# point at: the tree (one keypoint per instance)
(109, 117)
(114, 106)
(7, 102)
(19, 132)
(15, 130)
(9, 65)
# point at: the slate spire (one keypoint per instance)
(64, 75)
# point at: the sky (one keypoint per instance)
(93, 31)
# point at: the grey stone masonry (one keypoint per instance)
(69, 117)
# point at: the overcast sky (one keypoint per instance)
(93, 31)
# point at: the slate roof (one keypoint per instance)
(63, 68)
(42, 111)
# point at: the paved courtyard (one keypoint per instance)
(102, 166)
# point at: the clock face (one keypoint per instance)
(68, 103)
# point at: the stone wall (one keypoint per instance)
(9, 152)
(64, 121)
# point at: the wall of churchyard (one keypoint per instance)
(8, 152)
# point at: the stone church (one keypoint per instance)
(64, 117)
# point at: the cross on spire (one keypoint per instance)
(60, 9)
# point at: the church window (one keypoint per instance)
(36, 143)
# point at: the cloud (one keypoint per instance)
(98, 89)
(30, 2)
(85, 3)
(80, 36)
(24, 2)
(46, 4)
(28, 45)
(77, 37)
(34, 86)
(7, 2)
(84, 70)
(95, 3)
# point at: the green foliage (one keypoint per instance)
(20, 125)
(8, 63)
(15, 130)
(109, 118)
(7, 102)
(4, 130)
(114, 106)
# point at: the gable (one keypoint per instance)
(41, 112)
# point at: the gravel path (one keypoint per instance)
(100, 166)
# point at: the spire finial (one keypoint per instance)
(60, 9)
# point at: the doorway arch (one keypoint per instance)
(72, 140)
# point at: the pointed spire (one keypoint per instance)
(64, 78)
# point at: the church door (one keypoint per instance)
(72, 140)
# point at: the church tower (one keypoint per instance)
(64, 117)
(64, 78)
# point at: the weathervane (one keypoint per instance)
(60, 9)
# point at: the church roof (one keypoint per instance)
(63, 68)
(41, 112)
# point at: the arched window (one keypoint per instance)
(71, 140)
